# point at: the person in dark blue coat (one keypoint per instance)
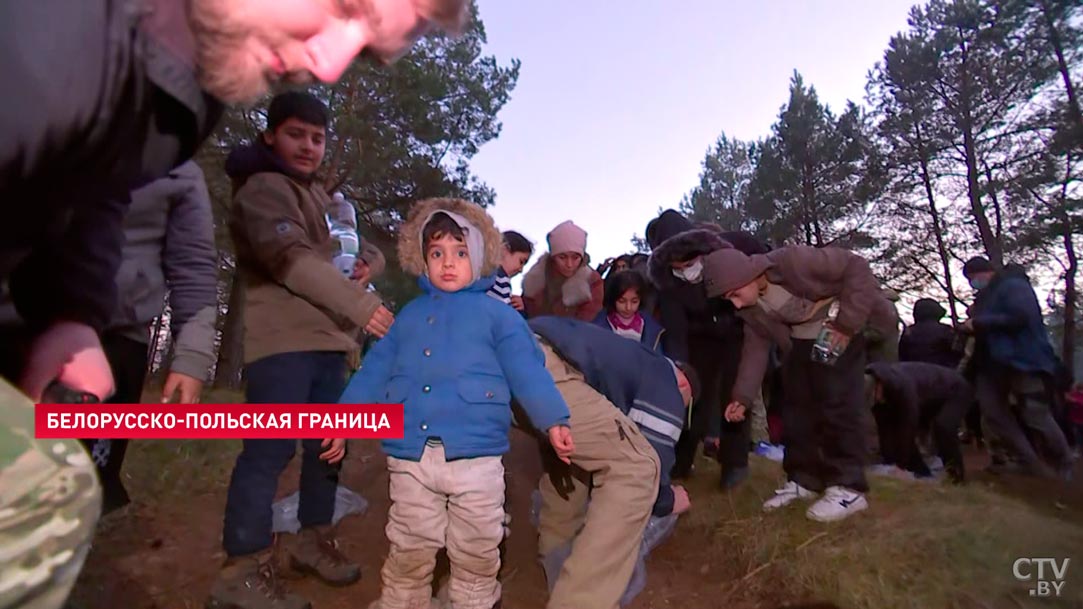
(627, 406)
(1013, 357)
(623, 314)
(643, 384)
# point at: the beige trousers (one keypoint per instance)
(436, 503)
(616, 469)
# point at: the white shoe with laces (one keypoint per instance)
(837, 503)
(790, 492)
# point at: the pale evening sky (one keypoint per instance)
(618, 101)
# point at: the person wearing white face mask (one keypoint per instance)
(705, 335)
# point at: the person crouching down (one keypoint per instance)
(454, 358)
(786, 297)
(915, 396)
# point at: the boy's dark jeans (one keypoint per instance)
(304, 377)
(824, 417)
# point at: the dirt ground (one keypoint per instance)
(163, 551)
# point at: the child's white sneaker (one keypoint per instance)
(837, 503)
(790, 492)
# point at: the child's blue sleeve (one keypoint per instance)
(369, 384)
(524, 367)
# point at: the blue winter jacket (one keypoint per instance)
(1009, 326)
(652, 330)
(454, 360)
(639, 381)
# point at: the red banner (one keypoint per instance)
(218, 421)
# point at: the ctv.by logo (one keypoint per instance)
(1035, 569)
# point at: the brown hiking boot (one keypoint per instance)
(252, 582)
(314, 551)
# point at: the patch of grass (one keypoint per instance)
(166, 468)
(918, 546)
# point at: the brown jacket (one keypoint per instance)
(813, 274)
(545, 292)
(295, 298)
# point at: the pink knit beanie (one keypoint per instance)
(567, 237)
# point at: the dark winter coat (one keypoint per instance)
(635, 379)
(912, 384)
(929, 340)
(102, 99)
(684, 309)
(1009, 326)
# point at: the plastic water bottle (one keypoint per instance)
(342, 222)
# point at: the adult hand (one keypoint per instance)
(189, 388)
(380, 322)
(681, 502)
(517, 303)
(336, 452)
(735, 412)
(68, 352)
(838, 339)
(560, 436)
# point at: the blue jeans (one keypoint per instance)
(304, 377)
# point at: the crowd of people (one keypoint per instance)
(714, 342)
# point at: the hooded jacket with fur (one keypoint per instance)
(684, 309)
(546, 292)
(295, 297)
(456, 359)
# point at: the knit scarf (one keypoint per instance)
(633, 325)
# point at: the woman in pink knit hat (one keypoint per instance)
(562, 283)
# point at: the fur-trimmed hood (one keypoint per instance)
(411, 255)
(682, 246)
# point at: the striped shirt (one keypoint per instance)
(501, 289)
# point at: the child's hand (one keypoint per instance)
(380, 322)
(560, 436)
(337, 451)
(517, 303)
(735, 412)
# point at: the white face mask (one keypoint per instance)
(692, 273)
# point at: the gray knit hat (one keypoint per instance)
(727, 269)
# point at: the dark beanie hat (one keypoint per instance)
(669, 223)
(977, 264)
(927, 309)
(727, 269)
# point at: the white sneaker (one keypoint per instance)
(837, 503)
(790, 492)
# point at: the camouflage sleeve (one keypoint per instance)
(50, 501)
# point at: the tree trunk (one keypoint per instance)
(1074, 112)
(1068, 344)
(998, 215)
(808, 196)
(970, 153)
(934, 213)
(227, 374)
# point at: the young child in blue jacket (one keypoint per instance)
(454, 358)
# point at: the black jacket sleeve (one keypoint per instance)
(675, 321)
(73, 277)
